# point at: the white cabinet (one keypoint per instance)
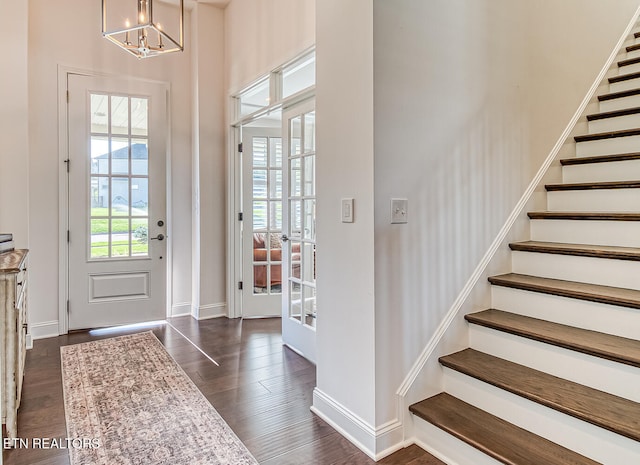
(13, 331)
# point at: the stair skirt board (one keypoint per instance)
(585, 439)
(614, 233)
(597, 373)
(600, 271)
(594, 316)
(628, 170)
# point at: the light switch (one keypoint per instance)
(347, 210)
(399, 211)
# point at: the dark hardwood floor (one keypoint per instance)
(262, 389)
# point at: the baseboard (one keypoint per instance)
(43, 330)
(181, 309)
(205, 312)
(211, 311)
(376, 442)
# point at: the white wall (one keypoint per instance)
(263, 34)
(67, 32)
(209, 273)
(345, 150)
(14, 142)
(470, 97)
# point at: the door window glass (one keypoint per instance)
(119, 177)
(267, 214)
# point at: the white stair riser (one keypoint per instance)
(615, 378)
(605, 272)
(611, 319)
(614, 124)
(439, 442)
(601, 172)
(595, 200)
(611, 146)
(621, 233)
(634, 68)
(624, 85)
(586, 439)
(632, 54)
(619, 103)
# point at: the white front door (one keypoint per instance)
(262, 168)
(117, 201)
(299, 309)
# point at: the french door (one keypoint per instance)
(117, 201)
(262, 167)
(299, 310)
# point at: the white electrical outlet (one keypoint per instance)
(347, 210)
(399, 211)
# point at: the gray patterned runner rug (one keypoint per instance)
(128, 402)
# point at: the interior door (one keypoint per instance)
(262, 168)
(299, 310)
(117, 201)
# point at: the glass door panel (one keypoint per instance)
(262, 223)
(299, 312)
(119, 177)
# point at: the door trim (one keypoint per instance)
(63, 189)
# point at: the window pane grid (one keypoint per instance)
(267, 214)
(302, 218)
(119, 193)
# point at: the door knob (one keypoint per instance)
(159, 237)
(284, 238)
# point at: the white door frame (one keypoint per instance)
(234, 194)
(63, 192)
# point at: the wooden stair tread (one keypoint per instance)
(619, 94)
(600, 159)
(596, 216)
(613, 114)
(583, 250)
(581, 186)
(607, 135)
(636, 34)
(495, 437)
(599, 408)
(628, 61)
(633, 48)
(606, 346)
(624, 77)
(591, 292)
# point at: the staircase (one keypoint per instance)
(552, 375)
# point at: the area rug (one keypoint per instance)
(127, 402)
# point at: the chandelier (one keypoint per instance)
(144, 28)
